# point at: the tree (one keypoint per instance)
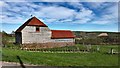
(13, 33)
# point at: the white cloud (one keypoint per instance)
(49, 21)
(67, 20)
(108, 16)
(26, 9)
(96, 5)
(101, 22)
(82, 21)
(19, 12)
(84, 13)
(62, 0)
(56, 12)
(13, 20)
(2, 3)
(76, 4)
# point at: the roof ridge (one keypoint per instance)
(60, 30)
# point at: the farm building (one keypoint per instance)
(33, 31)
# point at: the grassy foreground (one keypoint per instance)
(62, 59)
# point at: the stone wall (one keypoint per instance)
(47, 45)
(29, 35)
(63, 40)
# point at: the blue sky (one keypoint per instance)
(75, 16)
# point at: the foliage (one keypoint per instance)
(8, 41)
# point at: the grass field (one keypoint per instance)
(100, 58)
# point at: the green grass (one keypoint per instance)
(63, 59)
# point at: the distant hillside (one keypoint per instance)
(92, 37)
(94, 33)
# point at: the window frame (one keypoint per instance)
(37, 29)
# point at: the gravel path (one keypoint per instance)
(17, 65)
(9, 64)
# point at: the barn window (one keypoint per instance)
(37, 29)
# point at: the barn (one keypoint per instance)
(34, 33)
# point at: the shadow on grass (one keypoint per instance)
(20, 61)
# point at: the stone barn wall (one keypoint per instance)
(53, 43)
(30, 36)
(63, 40)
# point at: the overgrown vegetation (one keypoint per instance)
(8, 41)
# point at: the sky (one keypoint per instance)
(75, 16)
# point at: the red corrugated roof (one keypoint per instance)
(36, 22)
(60, 34)
(31, 22)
